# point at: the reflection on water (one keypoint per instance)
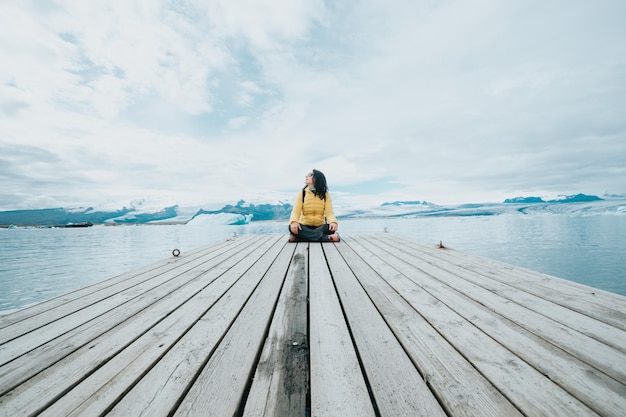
(37, 264)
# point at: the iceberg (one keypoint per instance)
(220, 219)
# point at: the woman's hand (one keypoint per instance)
(295, 227)
(333, 227)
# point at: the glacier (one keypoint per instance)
(242, 213)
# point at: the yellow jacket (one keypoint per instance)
(314, 211)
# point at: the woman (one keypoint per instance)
(312, 218)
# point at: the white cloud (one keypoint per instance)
(447, 102)
(265, 25)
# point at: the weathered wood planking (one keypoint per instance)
(462, 390)
(280, 385)
(396, 384)
(377, 324)
(469, 318)
(337, 384)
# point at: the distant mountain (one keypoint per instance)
(577, 198)
(58, 216)
(242, 212)
(517, 200)
(260, 212)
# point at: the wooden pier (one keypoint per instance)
(375, 325)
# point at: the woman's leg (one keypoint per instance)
(305, 234)
(313, 234)
(329, 235)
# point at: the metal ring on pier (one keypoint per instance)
(176, 252)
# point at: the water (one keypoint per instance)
(37, 264)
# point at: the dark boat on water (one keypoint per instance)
(82, 224)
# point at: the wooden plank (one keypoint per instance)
(589, 317)
(527, 388)
(600, 392)
(601, 305)
(235, 358)
(70, 314)
(187, 335)
(281, 382)
(551, 322)
(42, 357)
(337, 385)
(47, 311)
(110, 364)
(460, 388)
(161, 389)
(395, 382)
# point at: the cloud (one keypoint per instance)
(207, 102)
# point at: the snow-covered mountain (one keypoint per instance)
(139, 212)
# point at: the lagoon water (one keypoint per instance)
(38, 264)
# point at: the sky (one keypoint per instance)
(204, 102)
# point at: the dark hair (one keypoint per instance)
(319, 183)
